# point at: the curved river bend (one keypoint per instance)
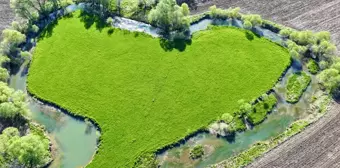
(76, 141)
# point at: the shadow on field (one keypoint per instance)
(178, 44)
(249, 36)
(89, 19)
(48, 30)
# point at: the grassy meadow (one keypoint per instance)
(143, 92)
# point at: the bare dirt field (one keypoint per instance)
(6, 14)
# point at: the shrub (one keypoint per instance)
(218, 13)
(4, 75)
(313, 66)
(296, 85)
(303, 37)
(25, 54)
(147, 160)
(21, 26)
(227, 118)
(261, 109)
(255, 20)
(34, 28)
(197, 152)
(109, 20)
(286, 32)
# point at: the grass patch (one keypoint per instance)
(143, 95)
(297, 83)
(197, 152)
(261, 109)
(313, 67)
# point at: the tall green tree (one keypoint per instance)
(168, 16)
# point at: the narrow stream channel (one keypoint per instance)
(76, 141)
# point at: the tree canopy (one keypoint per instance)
(169, 16)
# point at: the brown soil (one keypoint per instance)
(6, 15)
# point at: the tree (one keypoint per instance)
(8, 110)
(11, 40)
(286, 32)
(30, 150)
(323, 35)
(255, 20)
(303, 37)
(5, 92)
(109, 20)
(21, 26)
(247, 24)
(218, 13)
(26, 9)
(169, 16)
(244, 107)
(4, 75)
(329, 78)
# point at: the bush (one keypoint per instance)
(147, 160)
(34, 29)
(255, 20)
(261, 109)
(286, 32)
(313, 66)
(4, 75)
(296, 85)
(197, 152)
(303, 37)
(218, 13)
(109, 20)
(227, 118)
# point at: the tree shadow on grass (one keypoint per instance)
(48, 30)
(249, 36)
(179, 44)
(89, 19)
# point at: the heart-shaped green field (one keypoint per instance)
(143, 96)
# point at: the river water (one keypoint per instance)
(76, 141)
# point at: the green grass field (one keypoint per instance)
(142, 96)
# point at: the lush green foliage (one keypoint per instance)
(12, 102)
(29, 151)
(313, 66)
(147, 160)
(137, 89)
(227, 118)
(11, 40)
(297, 83)
(250, 21)
(169, 16)
(197, 152)
(218, 13)
(261, 109)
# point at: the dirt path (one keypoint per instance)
(6, 14)
(319, 145)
